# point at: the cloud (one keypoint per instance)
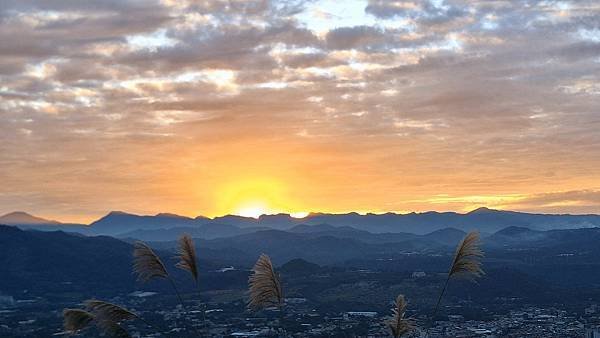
(354, 37)
(424, 13)
(576, 201)
(415, 99)
(584, 196)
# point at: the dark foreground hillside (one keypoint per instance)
(54, 261)
(326, 270)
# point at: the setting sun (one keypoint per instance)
(299, 214)
(253, 209)
(252, 197)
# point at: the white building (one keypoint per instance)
(419, 274)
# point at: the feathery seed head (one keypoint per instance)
(187, 256)
(398, 324)
(112, 329)
(146, 264)
(76, 320)
(108, 311)
(265, 287)
(467, 259)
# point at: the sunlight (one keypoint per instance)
(299, 214)
(252, 197)
(253, 209)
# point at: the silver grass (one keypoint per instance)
(398, 324)
(187, 256)
(112, 329)
(108, 311)
(146, 264)
(467, 259)
(265, 287)
(76, 320)
(188, 261)
(466, 264)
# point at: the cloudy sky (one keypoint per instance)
(212, 107)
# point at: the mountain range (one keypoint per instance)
(329, 259)
(169, 226)
(23, 218)
(27, 221)
(58, 261)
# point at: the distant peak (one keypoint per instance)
(24, 218)
(270, 216)
(300, 266)
(447, 230)
(315, 214)
(167, 214)
(18, 214)
(514, 230)
(483, 210)
(116, 213)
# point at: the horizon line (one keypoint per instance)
(307, 214)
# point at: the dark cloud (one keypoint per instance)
(425, 12)
(390, 9)
(228, 47)
(354, 37)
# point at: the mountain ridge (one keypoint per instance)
(483, 219)
(24, 218)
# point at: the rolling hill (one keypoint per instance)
(482, 219)
(23, 218)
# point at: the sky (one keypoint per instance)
(245, 107)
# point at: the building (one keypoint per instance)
(419, 274)
(369, 314)
(456, 318)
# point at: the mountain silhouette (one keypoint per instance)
(206, 231)
(118, 222)
(487, 221)
(57, 261)
(299, 266)
(23, 218)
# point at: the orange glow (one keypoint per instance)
(323, 116)
(299, 214)
(250, 197)
(251, 209)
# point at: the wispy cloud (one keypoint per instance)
(147, 104)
